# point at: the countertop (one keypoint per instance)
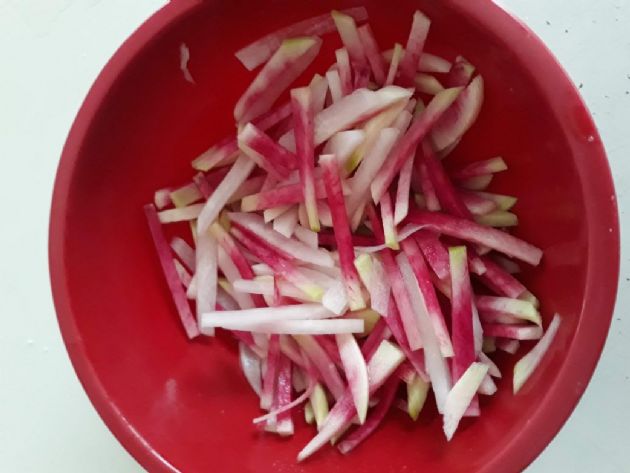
(52, 50)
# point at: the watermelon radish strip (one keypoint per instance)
(460, 396)
(461, 312)
(479, 168)
(347, 28)
(475, 233)
(401, 207)
(372, 52)
(256, 53)
(394, 64)
(413, 51)
(515, 332)
(206, 274)
(345, 72)
(460, 73)
(434, 252)
(267, 154)
(170, 273)
(356, 372)
(322, 363)
(342, 231)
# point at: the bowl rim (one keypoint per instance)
(603, 253)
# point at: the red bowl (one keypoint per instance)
(182, 406)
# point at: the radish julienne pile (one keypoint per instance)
(328, 237)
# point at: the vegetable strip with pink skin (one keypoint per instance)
(394, 64)
(323, 363)
(475, 233)
(461, 312)
(267, 154)
(301, 100)
(411, 139)
(500, 281)
(356, 372)
(479, 168)
(345, 72)
(341, 228)
(389, 227)
(413, 51)
(269, 375)
(515, 332)
(434, 252)
(170, 273)
(401, 207)
(350, 37)
(419, 267)
(373, 54)
(428, 190)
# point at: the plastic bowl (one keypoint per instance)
(182, 406)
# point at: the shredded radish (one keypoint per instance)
(331, 235)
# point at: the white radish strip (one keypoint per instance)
(250, 186)
(373, 54)
(185, 195)
(306, 236)
(493, 369)
(222, 154)
(250, 364)
(435, 363)
(432, 63)
(354, 108)
(301, 327)
(356, 372)
(270, 371)
(427, 84)
(232, 274)
(460, 396)
(289, 246)
(323, 211)
(487, 386)
(497, 218)
(285, 224)
(389, 228)
(380, 367)
(375, 279)
(264, 314)
(302, 103)
(183, 274)
(334, 85)
(225, 301)
(162, 198)
(323, 363)
(508, 346)
(282, 424)
(516, 307)
(369, 168)
(479, 168)
(341, 226)
(528, 364)
(477, 329)
(478, 183)
(181, 214)
(515, 332)
(288, 62)
(394, 63)
(287, 407)
(224, 191)
(415, 45)
(265, 286)
(319, 89)
(319, 403)
(170, 273)
(335, 298)
(347, 29)
(402, 121)
(417, 391)
(206, 275)
(404, 233)
(184, 252)
(401, 207)
(256, 53)
(344, 144)
(345, 73)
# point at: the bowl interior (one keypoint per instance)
(188, 402)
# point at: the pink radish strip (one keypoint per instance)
(202, 184)
(206, 275)
(479, 168)
(379, 333)
(387, 393)
(181, 214)
(285, 224)
(218, 155)
(350, 37)
(460, 397)
(461, 314)
(328, 239)
(373, 54)
(418, 130)
(267, 154)
(287, 63)
(526, 366)
(334, 84)
(507, 345)
(345, 72)
(250, 186)
(460, 74)
(270, 373)
(511, 267)
(446, 193)
(301, 100)
(184, 252)
(280, 196)
(500, 281)
(374, 278)
(219, 198)
(384, 362)
(269, 286)
(493, 369)
(357, 107)
(290, 247)
(407, 315)
(292, 327)
(232, 274)
(306, 236)
(284, 268)
(283, 422)
(432, 63)
(389, 228)
(341, 230)
(427, 84)
(503, 202)
(330, 347)
(435, 362)
(170, 273)
(319, 88)
(185, 195)
(428, 190)
(162, 198)
(183, 274)
(394, 64)
(421, 271)
(475, 233)
(434, 252)
(356, 372)
(250, 364)
(460, 117)
(287, 407)
(521, 309)
(415, 45)
(323, 363)
(478, 183)
(231, 248)
(515, 332)
(491, 316)
(476, 204)
(323, 210)
(401, 207)
(256, 53)
(361, 78)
